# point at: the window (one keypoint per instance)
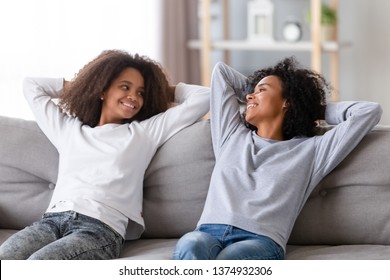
(55, 38)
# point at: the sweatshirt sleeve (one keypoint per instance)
(227, 88)
(352, 120)
(193, 102)
(39, 93)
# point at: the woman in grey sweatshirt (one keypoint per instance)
(268, 163)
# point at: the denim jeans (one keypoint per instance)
(225, 242)
(63, 236)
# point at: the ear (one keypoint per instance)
(285, 104)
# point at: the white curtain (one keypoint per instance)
(55, 38)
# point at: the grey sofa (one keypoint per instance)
(346, 217)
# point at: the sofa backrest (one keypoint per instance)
(177, 181)
(28, 172)
(350, 205)
(175, 187)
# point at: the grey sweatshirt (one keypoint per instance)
(261, 185)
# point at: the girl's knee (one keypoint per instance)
(196, 245)
(252, 250)
(187, 241)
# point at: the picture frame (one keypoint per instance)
(260, 20)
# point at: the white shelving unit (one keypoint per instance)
(206, 45)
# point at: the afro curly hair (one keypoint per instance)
(305, 92)
(82, 98)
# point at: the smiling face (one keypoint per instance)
(266, 103)
(124, 98)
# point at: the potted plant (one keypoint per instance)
(328, 22)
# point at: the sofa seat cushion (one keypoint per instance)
(148, 249)
(340, 252)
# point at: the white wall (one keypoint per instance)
(365, 67)
(55, 38)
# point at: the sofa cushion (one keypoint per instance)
(340, 252)
(349, 205)
(28, 170)
(148, 249)
(177, 181)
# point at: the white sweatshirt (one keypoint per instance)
(101, 169)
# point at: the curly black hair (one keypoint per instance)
(82, 98)
(305, 92)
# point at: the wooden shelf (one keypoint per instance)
(330, 46)
(315, 46)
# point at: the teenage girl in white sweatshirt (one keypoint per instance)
(107, 125)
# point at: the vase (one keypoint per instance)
(328, 33)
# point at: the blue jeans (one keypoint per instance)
(63, 236)
(225, 242)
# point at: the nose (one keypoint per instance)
(249, 96)
(131, 95)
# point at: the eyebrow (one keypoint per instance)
(263, 84)
(129, 83)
